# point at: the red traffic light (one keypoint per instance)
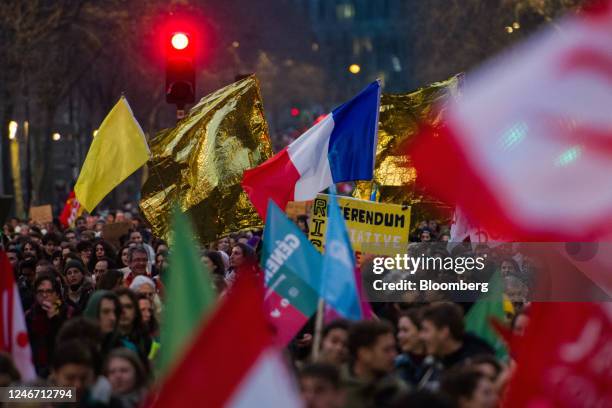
(294, 112)
(179, 41)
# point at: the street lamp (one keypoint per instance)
(56, 136)
(13, 129)
(354, 69)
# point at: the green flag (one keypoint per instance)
(189, 294)
(490, 306)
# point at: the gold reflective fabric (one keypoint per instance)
(400, 115)
(199, 163)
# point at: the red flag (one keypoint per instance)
(565, 357)
(526, 149)
(72, 209)
(13, 331)
(231, 362)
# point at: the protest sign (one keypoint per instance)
(372, 227)
(41, 214)
(112, 232)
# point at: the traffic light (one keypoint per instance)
(180, 69)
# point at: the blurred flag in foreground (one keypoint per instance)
(189, 295)
(13, 332)
(489, 307)
(565, 357)
(118, 150)
(72, 210)
(341, 147)
(526, 149)
(292, 275)
(231, 362)
(339, 288)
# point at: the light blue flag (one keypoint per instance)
(339, 288)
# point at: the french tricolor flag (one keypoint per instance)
(339, 148)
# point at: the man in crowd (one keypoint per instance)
(447, 344)
(320, 386)
(369, 381)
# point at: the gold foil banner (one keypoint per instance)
(199, 163)
(400, 115)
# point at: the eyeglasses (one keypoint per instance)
(45, 291)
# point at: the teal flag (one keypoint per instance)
(292, 269)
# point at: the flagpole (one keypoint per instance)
(316, 345)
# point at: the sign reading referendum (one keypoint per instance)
(373, 227)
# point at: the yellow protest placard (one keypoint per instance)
(373, 227)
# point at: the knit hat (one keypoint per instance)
(73, 263)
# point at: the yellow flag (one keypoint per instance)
(118, 150)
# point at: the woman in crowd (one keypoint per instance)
(78, 287)
(133, 334)
(469, 388)
(127, 376)
(44, 320)
(214, 262)
(147, 311)
(410, 363)
(103, 249)
(242, 255)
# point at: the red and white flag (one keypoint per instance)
(13, 332)
(571, 366)
(526, 149)
(72, 210)
(232, 361)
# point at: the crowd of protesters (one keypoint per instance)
(93, 313)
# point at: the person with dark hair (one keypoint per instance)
(26, 275)
(242, 255)
(50, 244)
(88, 332)
(123, 259)
(103, 250)
(147, 311)
(57, 260)
(447, 344)
(31, 250)
(14, 257)
(44, 320)
(85, 251)
(320, 386)
(334, 340)
(487, 365)
(302, 223)
(79, 288)
(369, 381)
(101, 266)
(74, 366)
(110, 280)
(127, 376)
(8, 372)
(104, 307)
(132, 331)
(214, 262)
(469, 388)
(137, 237)
(410, 363)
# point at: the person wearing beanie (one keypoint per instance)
(79, 287)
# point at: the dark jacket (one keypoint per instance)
(380, 393)
(84, 293)
(42, 332)
(410, 368)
